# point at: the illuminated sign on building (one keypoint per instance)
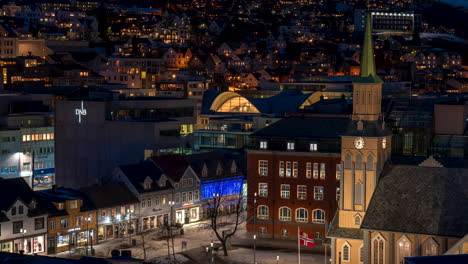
(80, 112)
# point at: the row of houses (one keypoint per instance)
(138, 198)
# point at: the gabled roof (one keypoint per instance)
(109, 195)
(137, 174)
(173, 166)
(12, 190)
(420, 200)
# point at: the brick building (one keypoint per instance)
(294, 171)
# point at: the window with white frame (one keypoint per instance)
(288, 169)
(430, 248)
(262, 212)
(290, 146)
(281, 168)
(284, 232)
(318, 193)
(285, 214)
(338, 171)
(262, 230)
(263, 145)
(302, 215)
(316, 170)
(285, 191)
(263, 189)
(184, 197)
(295, 169)
(322, 171)
(403, 250)
(319, 216)
(357, 220)
(301, 192)
(345, 253)
(196, 195)
(309, 170)
(378, 250)
(313, 146)
(263, 167)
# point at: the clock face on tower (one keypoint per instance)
(384, 143)
(359, 143)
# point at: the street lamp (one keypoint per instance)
(255, 229)
(171, 203)
(23, 231)
(88, 242)
(277, 259)
(212, 257)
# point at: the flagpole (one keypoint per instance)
(324, 237)
(298, 246)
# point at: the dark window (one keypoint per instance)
(20, 209)
(17, 226)
(38, 223)
(13, 210)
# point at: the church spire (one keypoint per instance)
(368, 74)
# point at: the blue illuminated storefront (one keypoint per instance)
(228, 187)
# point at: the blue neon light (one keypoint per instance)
(222, 187)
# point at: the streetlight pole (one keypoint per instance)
(277, 259)
(23, 231)
(171, 203)
(255, 229)
(212, 257)
(89, 235)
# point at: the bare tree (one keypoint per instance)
(143, 245)
(227, 200)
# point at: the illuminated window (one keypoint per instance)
(263, 145)
(318, 193)
(308, 170)
(322, 171)
(288, 169)
(316, 170)
(430, 248)
(318, 216)
(302, 215)
(295, 169)
(378, 250)
(262, 212)
(263, 167)
(263, 189)
(290, 146)
(403, 250)
(313, 146)
(301, 192)
(285, 214)
(285, 191)
(281, 169)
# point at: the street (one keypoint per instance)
(198, 237)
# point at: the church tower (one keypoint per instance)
(365, 147)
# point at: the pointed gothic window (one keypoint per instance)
(347, 161)
(370, 162)
(378, 250)
(358, 193)
(403, 249)
(359, 162)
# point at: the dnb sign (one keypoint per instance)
(80, 112)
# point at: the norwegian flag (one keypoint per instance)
(306, 240)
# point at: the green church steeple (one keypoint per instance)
(368, 74)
